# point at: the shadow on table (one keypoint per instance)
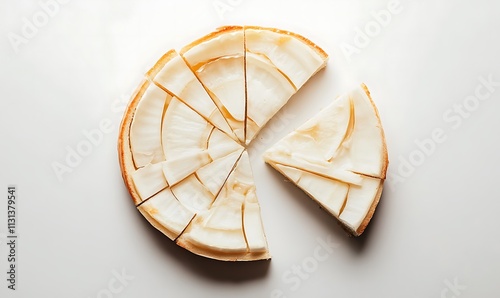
(213, 269)
(357, 244)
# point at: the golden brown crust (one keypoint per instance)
(383, 172)
(160, 63)
(219, 31)
(222, 256)
(370, 213)
(385, 157)
(308, 42)
(124, 152)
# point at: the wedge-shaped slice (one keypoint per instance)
(143, 176)
(278, 63)
(339, 158)
(173, 75)
(295, 56)
(232, 228)
(190, 142)
(218, 61)
(267, 91)
(166, 213)
(145, 141)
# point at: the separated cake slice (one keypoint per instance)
(339, 158)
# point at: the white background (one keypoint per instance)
(437, 225)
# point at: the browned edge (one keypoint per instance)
(305, 40)
(385, 156)
(371, 211)
(247, 256)
(124, 151)
(151, 74)
(383, 171)
(219, 31)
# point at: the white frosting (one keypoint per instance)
(167, 211)
(225, 78)
(193, 194)
(297, 60)
(359, 201)
(183, 131)
(149, 180)
(145, 141)
(215, 173)
(267, 91)
(331, 194)
(179, 168)
(190, 142)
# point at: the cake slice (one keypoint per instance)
(218, 60)
(339, 158)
